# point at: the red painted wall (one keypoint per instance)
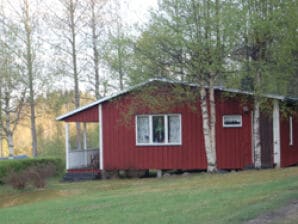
(121, 152)
(289, 154)
(234, 149)
(90, 115)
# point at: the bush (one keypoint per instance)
(34, 175)
(8, 167)
(17, 180)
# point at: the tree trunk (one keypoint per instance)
(10, 144)
(256, 134)
(75, 69)
(1, 123)
(95, 51)
(256, 124)
(1, 148)
(210, 154)
(29, 64)
(119, 54)
(8, 132)
(212, 120)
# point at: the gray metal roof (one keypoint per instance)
(220, 88)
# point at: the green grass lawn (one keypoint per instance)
(199, 198)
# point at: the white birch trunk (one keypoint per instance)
(9, 135)
(211, 160)
(257, 136)
(10, 145)
(212, 121)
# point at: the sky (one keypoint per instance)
(137, 10)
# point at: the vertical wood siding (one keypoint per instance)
(266, 131)
(234, 149)
(89, 115)
(121, 152)
(289, 154)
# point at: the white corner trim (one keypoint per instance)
(252, 137)
(101, 160)
(67, 145)
(291, 142)
(276, 134)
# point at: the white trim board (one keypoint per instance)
(276, 134)
(100, 124)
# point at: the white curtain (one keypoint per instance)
(174, 129)
(143, 129)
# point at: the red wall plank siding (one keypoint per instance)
(121, 152)
(90, 115)
(266, 132)
(289, 154)
(234, 146)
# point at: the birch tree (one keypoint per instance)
(67, 26)
(97, 22)
(13, 90)
(29, 61)
(25, 16)
(268, 53)
(118, 47)
(191, 43)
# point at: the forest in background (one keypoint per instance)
(59, 55)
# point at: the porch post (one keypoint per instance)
(276, 134)
(67, 145)
(85, 144)
(101, 161)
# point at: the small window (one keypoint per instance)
(158, 129)
(291, 130)
(232, 121)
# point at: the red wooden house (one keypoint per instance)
(134, 137)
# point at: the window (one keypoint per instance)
(291, 130)
(232, 121)
(158, 129)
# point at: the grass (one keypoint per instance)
(199, 198)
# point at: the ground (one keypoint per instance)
(285, 215)
(234, 198)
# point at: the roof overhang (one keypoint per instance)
(166, 81)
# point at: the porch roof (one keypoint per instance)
(94, 104)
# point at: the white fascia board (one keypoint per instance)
(100, 101)
(282, 98)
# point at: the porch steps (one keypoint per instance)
(80, 176)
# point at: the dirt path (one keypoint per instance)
(284, 215)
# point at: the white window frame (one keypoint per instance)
(151, 143)
(291, 140)
(236, 116)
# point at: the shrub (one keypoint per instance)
(35, 178)
(34, 175)
(17, 180)
(52, 165)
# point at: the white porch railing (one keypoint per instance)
(80, 159)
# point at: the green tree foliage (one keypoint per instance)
(187, 40)
(268, 52)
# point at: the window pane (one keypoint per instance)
(158, 129)
(174, 129)
(143, 129)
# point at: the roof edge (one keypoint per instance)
(220, 88)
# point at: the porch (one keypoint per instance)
(83, 160)
(86, 159)
(81, 155)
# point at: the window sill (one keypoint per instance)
(158, 144)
